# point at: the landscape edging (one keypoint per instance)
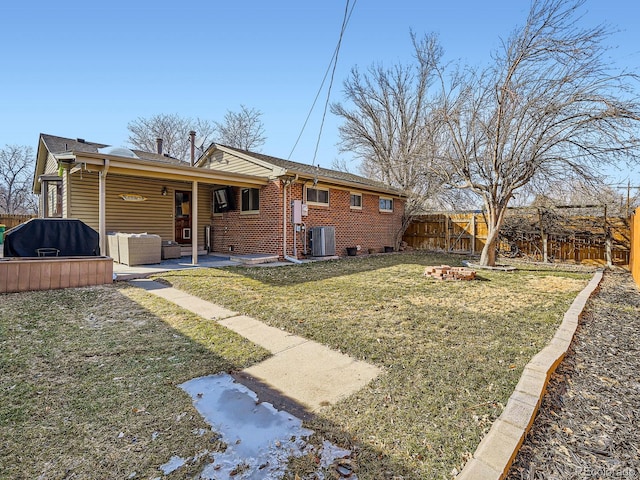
(499, 447)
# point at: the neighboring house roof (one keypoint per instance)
(288, 167)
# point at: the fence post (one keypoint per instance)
(543, 238)
(447, 235)
(473, 234)
(607, 240)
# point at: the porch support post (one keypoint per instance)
(102, 209)
(194, 223)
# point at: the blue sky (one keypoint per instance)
(86, 69)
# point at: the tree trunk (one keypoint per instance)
(488, 255)
(406, 221)
(494, 217)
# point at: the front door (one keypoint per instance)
(183, 217)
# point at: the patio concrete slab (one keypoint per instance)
(130, 272)
(304, 371)
(254, 258)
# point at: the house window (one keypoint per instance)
(318, 196)
(356, 201)
(250, 200)
(386, 204)
(51, 196)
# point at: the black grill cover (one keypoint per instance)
(71, 237)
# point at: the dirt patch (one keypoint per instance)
(588, 424)
(551, 284)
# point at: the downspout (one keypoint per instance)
(102, 210)
(194, 223)
(286, 183)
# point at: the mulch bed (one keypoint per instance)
(588, 426)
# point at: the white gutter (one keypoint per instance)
(149, 168)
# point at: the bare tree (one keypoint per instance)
(16, 176)
(550, 107)
(389, 127)
(618, 199)
(174, 132)
(243, 129)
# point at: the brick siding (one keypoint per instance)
(262, 233)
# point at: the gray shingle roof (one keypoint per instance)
(311, 170)
(57, 145)
(61, 145)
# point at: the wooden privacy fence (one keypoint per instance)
(580, 239)
(11, 221)
(464, 232)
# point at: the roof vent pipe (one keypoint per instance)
(192, 140)
(159, 145)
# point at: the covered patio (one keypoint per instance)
(119, 190)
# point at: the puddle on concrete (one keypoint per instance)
(260, 439)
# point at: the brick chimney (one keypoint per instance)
(159, 145)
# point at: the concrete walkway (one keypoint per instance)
(307, 372)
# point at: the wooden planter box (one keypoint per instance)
(49, 273)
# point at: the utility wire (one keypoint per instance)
(334, 62)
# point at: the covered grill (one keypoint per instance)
(41, 237)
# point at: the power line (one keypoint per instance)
(334, 62)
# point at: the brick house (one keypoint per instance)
(362, 212)
(228, 200)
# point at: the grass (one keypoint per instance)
(452, 352)
(89, 376)
(88, 386)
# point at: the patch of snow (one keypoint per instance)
(260, 439)
(174, 463)
(258, 436)
(331, 452)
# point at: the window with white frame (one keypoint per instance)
(250, 200)
(386, 204)
(355, 201)
(51, 196)
(318, 196)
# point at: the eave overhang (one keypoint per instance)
(151, 169)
